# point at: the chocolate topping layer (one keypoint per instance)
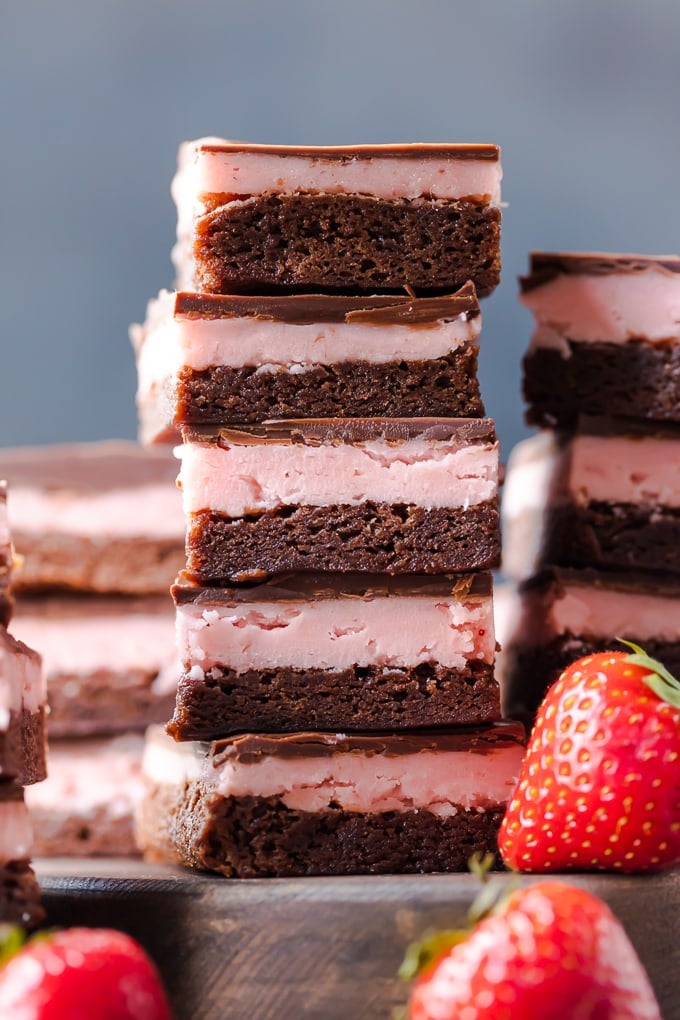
(10, 792)
(546, 266)
(316, 431)
(634, 581)
(332, 586)
(251, 748)
(345, 153)
(77, 467)
(305, 309)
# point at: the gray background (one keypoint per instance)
(582, 95)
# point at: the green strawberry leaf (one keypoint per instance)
(659, 679)
(419, 955)
(12, 938)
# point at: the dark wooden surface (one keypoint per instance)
(317, 948)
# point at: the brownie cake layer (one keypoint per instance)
(339, 653)
(371, 537)
(607, 327)
(110, 663)
(375, 495)
(317, 804)
(257, 219)
(206, 359)
(103, 517)
(562, 614)
(22, 747)
(86, 805)
(22, 712)
(607, 496)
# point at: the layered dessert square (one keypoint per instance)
(335, 652)
(561, 614)
(102, 517)
(374, 495)
(19, 890)
(22, 712)
(366, 218)
(607, 337)
(206, 359)
(111, 663)
(6, 559)
(328, 804)
(607, 496)
(85, 807)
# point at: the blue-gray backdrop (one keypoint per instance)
(582, 96)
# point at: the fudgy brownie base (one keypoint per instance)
(529, 672)
(368, 537)
(23, 748)
(636, 379)
(259, 837)
(359, 698)
(98, 703)
(20, 895)
(101, 833)
(127, 567)
(442, 387)
(613, 536)
(346, 244)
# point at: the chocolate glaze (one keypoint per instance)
(87, 467)
(546, 266)
(10, 792)
(305, 309)
(336, 431)
(291, 587)
(633, 428)
(634, 581)
(346, 153)
(251, 748)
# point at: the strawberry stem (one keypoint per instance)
(659, 679)
(12, 938)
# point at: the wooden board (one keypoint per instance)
(319, 948)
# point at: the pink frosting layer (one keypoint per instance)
(85, 776)
(205, 171)
(22, 681)
(86, 645)
(440, 782)
(242, 479)
(336, 633)
(611, 308)
(16, 833)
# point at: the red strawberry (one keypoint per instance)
(600, 783)
(552, 951)
(81, 974)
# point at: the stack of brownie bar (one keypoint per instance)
(99, 537)
(337, 710)
(22, 751)
(592, 503)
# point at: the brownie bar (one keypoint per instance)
(20, 895)
(259, 837)
(23, 747)
(359, 698)
(346, 244)
(613, 536)
(368, 537)
(445, 387)
(636, 379)
(6, 560)
(529, 672)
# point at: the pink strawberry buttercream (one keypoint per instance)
(16, 832)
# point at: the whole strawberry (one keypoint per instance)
(81, 974)
(600, 783)
(553, 951)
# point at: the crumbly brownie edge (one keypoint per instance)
(441, 387)
(613, 536)
(370, 537)
(529, 672)
(259, 837)
(636, 379)
(135, 566)
(358, 698)
(20, 895)
(346, 243)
